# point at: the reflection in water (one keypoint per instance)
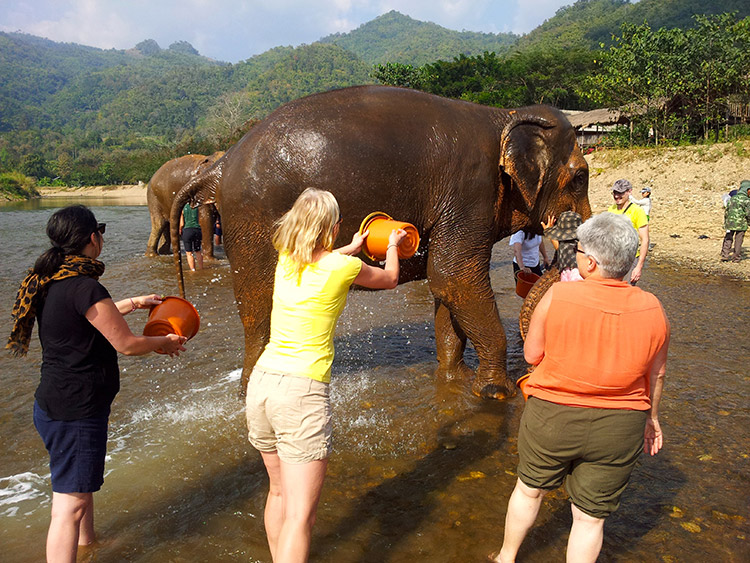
(421, 470)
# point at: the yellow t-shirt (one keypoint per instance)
(637, 216)
(304, 315)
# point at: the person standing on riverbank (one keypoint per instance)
(736, 220)
(645, 201)
(288, 403)
(81, 329)
(191, 234)
(594, 395)
(621, 191)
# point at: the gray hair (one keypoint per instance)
(612, 241)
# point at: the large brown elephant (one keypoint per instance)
(160, 193)
(465, 175)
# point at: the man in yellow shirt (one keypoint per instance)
(621, 191)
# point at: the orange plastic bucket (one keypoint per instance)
(174, 315)
(524, 281)
(380, 226)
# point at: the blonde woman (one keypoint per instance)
(288, 405)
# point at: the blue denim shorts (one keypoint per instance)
(77, 449)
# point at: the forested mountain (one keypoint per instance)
(38, 77)
(587, 23)
(87, 115)
(396, 38)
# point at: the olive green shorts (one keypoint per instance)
(290, 415)
(593, 451)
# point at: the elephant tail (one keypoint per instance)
(199, 191)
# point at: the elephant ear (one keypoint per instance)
(525, 154)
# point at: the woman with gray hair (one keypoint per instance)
(594, 393)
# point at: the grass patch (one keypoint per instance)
(15, 186)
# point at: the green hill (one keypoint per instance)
(587, 23)
(91, 115)
(394, 37)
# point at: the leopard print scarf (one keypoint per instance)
(33, 289)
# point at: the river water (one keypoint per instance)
(421, 471)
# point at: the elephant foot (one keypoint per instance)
(151, 254)
(459, 371)
(498, 388)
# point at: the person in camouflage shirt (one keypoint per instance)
(736, 218)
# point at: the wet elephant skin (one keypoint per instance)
(160, 193)
(465, 175)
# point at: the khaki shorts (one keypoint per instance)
(290, 415)
(592, 450)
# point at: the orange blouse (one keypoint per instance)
(601, 339)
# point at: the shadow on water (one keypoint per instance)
(392, 511)
(183, 516)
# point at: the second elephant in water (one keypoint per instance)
(465, 175)
(160, 193)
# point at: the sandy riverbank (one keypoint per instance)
(134, 194)
(687, 219)
(687, 182)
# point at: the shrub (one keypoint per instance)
(17, 186)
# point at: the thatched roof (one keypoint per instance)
(597, 117)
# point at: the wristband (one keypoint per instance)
(132, 303)
(390, 245)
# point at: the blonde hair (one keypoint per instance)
(307, 226)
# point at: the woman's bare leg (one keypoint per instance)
(273, 516)
(523, 508)
(586, 537)
(86, 535)
(68, 510)
(301, 485)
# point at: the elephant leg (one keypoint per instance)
(481, 322)
(206, 220)
(166, 247)
(450, 342)
(464, 290)
(158, 226)
(253, 290)
(256, 338)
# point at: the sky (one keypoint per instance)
(235, 30)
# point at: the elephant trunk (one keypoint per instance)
(200, 190)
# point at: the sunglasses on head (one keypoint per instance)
(101, 227)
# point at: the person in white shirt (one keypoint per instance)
(644, 203)
(526, 250)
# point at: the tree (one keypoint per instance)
(398, 74)
(675, 80)
(34, 165)
(719, 66)
(229, 113)
(64, 166)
